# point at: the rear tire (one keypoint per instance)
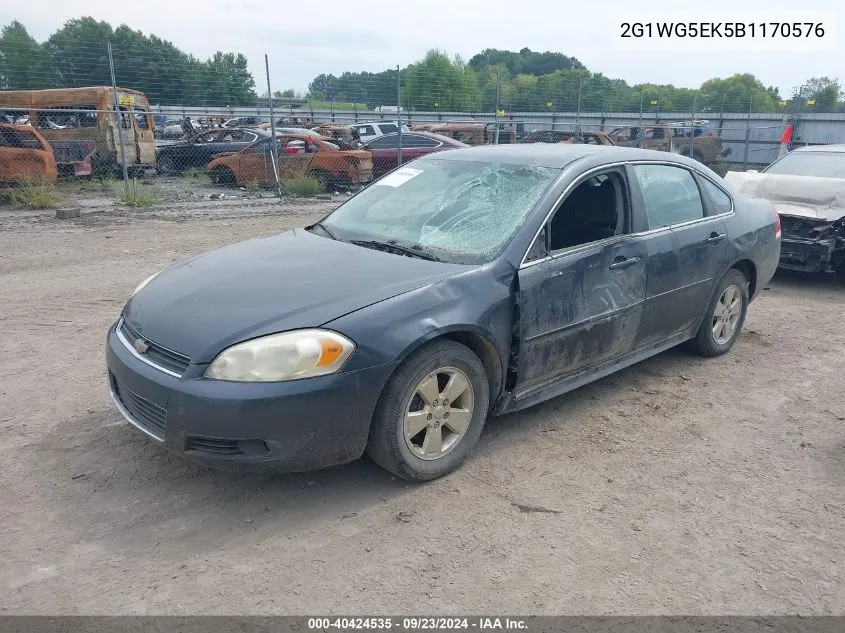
(325, 179)
(413, 434)
(724, 317)
(222, 176)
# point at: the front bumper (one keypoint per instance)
(807, 255)
(289, 426)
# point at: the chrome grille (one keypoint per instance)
(155, 354)
(144, 414)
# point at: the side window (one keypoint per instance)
(593, 211)
(141, 120)
(415, 140)
(539, 249)
(670, 193)
(388, 128)
(386, 142)
(366, 130)
(721, 201)
(208, 137)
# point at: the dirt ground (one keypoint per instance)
(679, 486)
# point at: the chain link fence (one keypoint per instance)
(346, 131)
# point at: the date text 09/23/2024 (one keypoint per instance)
(417, 624)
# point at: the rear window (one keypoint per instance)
(19, 139)
(820, 164)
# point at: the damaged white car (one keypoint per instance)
(807, 188)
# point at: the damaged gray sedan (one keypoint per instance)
(807, 188)
(468, 283)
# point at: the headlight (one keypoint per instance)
(142, 284)
(286, 356)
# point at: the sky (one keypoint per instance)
(304, 39)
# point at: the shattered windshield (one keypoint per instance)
(457, 211)
(819, 164)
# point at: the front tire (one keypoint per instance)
(431, 413)
(724, 317)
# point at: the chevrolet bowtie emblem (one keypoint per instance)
(140, 346)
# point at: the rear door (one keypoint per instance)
(580, 296)
(121, 126)
(688, 247)
(142, 124)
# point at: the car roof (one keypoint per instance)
(822, 148)
(557, 155)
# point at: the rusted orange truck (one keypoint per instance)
(24, 154)
(297, 155)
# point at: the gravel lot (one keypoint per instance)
(680, 485)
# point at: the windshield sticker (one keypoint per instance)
(399, 177)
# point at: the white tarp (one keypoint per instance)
(802, 196)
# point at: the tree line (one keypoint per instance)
(517, 81)
(76, 55)
(528, 81)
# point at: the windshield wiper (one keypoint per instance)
(390, 246)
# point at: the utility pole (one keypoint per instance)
(398, 117)
(496, 136)
(120, 121)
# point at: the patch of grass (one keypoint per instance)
(302, 187)
(32, 193)
(133, 195)
(197, 173)
(252, 186)
(335, 105)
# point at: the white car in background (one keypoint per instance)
(807, 189)
(372, 129)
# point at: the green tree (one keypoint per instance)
(825, 92)
(733, 94)
(526, 61)
(24, 63)
(437, 82)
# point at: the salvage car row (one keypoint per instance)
(72, 132)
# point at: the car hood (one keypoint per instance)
(800, 196)
(290, 280)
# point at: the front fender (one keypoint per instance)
(479, 302)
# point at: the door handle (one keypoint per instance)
(623, 263)
(715, 238)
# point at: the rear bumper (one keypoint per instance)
(287, 426)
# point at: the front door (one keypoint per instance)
(581, 300)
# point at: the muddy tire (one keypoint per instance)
(415, 433)
(325, 179)
(222, 176)
(165, 165)
(724, 317)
